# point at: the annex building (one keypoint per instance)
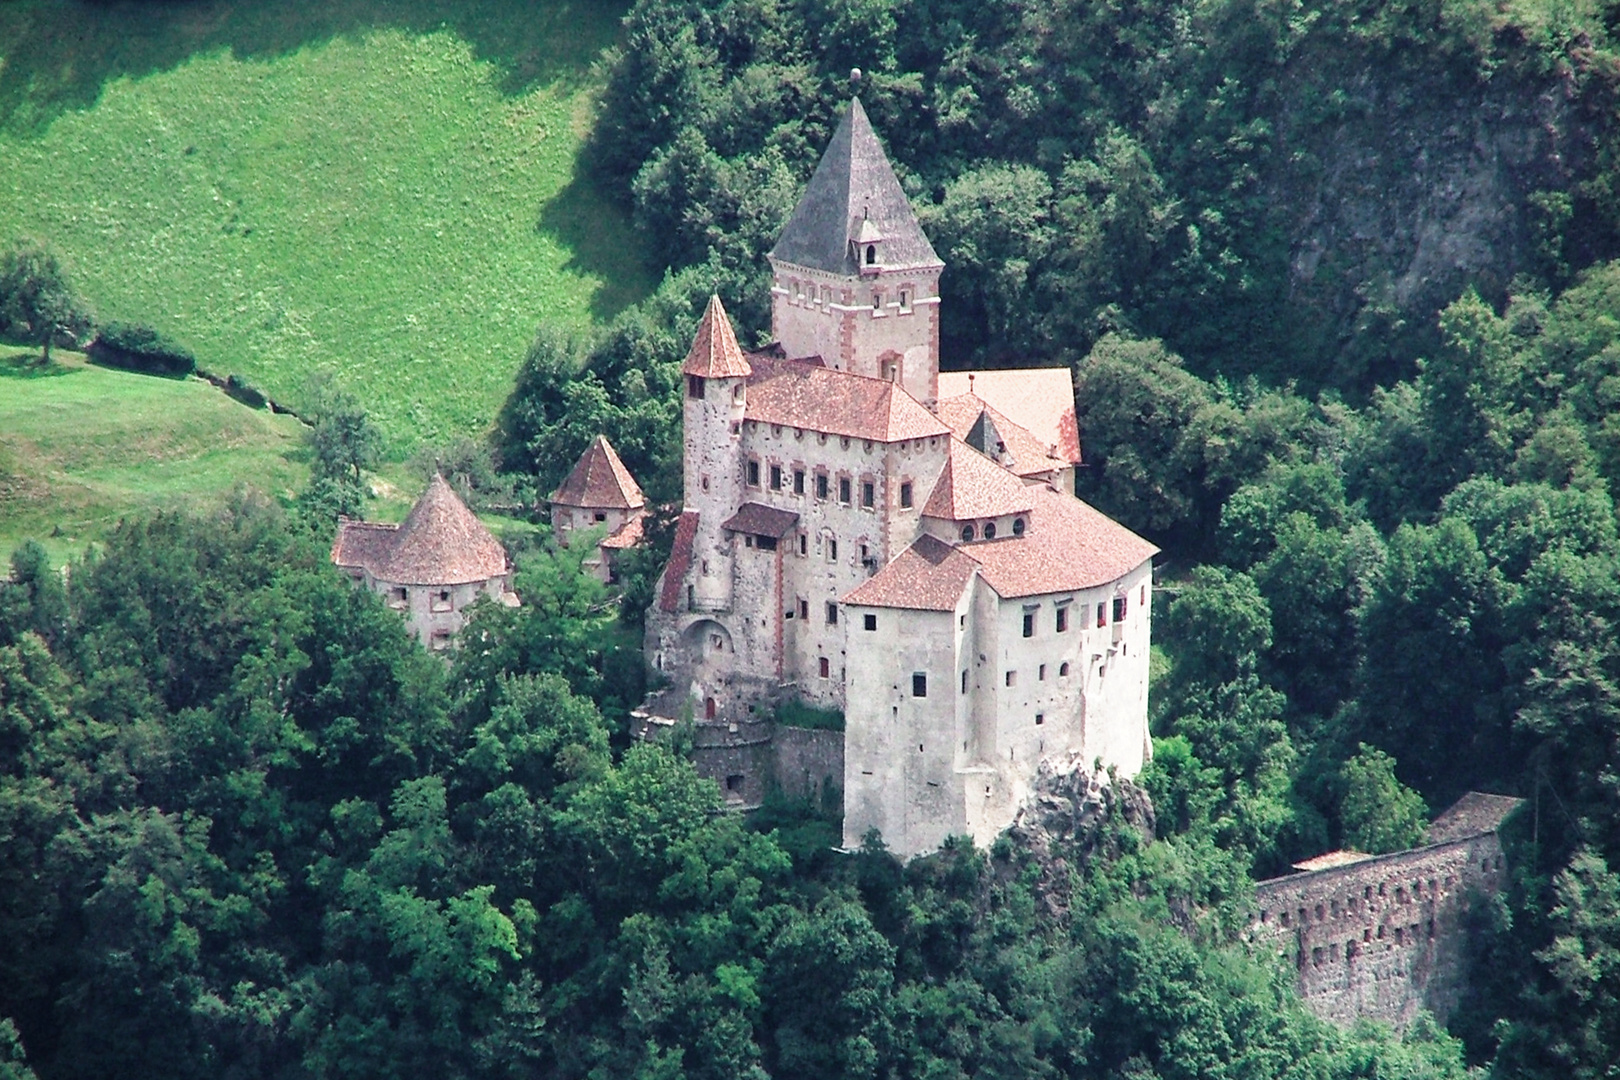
(862, 533)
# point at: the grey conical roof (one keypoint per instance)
(853, 185)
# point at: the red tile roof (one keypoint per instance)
(1475, 814)
(761, 520)
(1068, 545)
(441, 542)
(1029, 456)
(599, 481)
(928, 576)
(680, 561)
(627, 535)
(972, 486)
(1040, 400)
(796, 394)
(715, 353)
(362, 545)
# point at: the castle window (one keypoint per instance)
(868, 493)
(821, 485)
(905, 495)
(1063, 668)
(1119, 609)
(804, 544)
(869, 622)
(709, 708)
(694, 386)
(826, 668)
(1018, 526)
(1029, 624)
(439, 641)
(736, 395)
(1143, 600)
(798, 481)
(1012, 678)
(804, 609)
(705, 483)
(871, 254)
(919, 685)
(398, 597)
(1040, 718)
(967, 532)
(753, 473)
(1041, 674)
(877, 303)
(843, 489)
(765, 543)
(832, 613)
(964, 682)
(989, 530)
(1062, 619)
(832, 549)
(734, 783)
(441, 600)
(1102, 614)
(905, 299)
(776, 478)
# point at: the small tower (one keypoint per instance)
(716, 395)
(599, 494)
(855, 281)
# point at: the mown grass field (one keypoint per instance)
(385, 188)
(83, 446)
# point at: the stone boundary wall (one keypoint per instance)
(809, 766)
(1381, 938)
(752, 758)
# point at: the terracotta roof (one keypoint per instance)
(1331, 860)
(599, 481)
(817, 398)
(972, 486)
(761, 520)
(1475, 814)
(715, 353)
(1068, 545)
(1039, 400)
(928, 576)
(362, 544)
(968, 413)
(627, 535)
(680, 561)
(852, 194)
(441, 542)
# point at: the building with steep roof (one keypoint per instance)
(599, 494)
(853, 540)
(431, 566)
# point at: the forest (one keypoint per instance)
(251, 829)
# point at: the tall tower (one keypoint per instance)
(716, 396)
(855, 281)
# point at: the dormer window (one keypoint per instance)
(967, 532)
(871, 254)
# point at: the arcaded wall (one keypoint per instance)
(1381, 938)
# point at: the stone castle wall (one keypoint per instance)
(1381, 938)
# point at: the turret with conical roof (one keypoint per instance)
(716, 398)
(856, 281)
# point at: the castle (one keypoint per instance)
(862, 534)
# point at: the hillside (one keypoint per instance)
(386, 190)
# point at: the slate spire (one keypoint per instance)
(853, 194)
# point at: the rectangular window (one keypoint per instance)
(1119, 609)
(1041, 673)
(1102, 614)
(1040, 718)
(804, 544)
(868, 493)
(804, 609)
(905, 495)
(832, 549)
(798, 481)
(1062, 619)
(964, 682)
(776, 478)
(398, 597)
(753, 474)
(821, 485)
(694, 386)
(905, 299)
(766, 543)
(869, 621)
(1029, 624)
(843, 489)
(832, 613)
(826, 668)
(919, 684)
(1012, 678)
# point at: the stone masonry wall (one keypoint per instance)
(1381, 938)
(809, 766)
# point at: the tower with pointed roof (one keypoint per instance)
(854, 279)
(430, 567)
(599, 494)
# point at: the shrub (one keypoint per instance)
(138, 347)
(798, 714)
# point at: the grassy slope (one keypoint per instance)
(82, 446)
(386, 189)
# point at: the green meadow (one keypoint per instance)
(82, 446)
(389, 190)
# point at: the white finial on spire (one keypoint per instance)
(855, 80)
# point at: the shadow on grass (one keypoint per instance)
(26, 364)
(602, 242)
(58, 54)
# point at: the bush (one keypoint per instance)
(798, 714)
(237, 388)
(138, 347)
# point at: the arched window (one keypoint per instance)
(871, 254)
(1018, 526)
(989, 530)
(708, 708)
(967, 532)
(1063, 668)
